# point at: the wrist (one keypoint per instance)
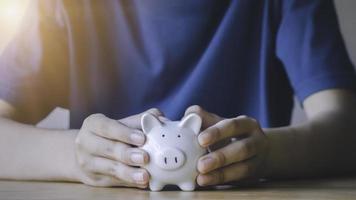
(72, 171)
(276, 160)
(60, 160)
(267, 162)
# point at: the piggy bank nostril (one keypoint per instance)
(170, 159)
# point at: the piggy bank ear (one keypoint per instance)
(192, 121)
(148, 121)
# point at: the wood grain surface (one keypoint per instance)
(335, 188)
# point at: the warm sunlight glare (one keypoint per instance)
(11, 12)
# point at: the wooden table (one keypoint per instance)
(336, 188)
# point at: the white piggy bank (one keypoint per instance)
(174, 151)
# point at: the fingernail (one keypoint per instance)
(138, 176)
(205, 138)
(137, 138)
(208, 163)
(137, 158)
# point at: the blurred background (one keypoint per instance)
(11, 12)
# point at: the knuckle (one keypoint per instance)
(155, 111)
(242, 116)
(123, 155)
(121, 172)
(195, 109)
(106, 128)
(253, 121)
(235, 122)
(97, 115)
(79, 146)
(103, 127)
(83, 140)
(92, 121)
(113, 168)
(91, 118)
(245, 149)
(126, 155)
(109, 150)
(220, 157)
(86, 122)
(216, 132)
(83, 163)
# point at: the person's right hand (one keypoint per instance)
(107, 153)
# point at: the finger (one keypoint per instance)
(208, 119)
(234, 152)
(113, 129)
(219, 145)
(234, 172)
(234, 127)
(134, 121)
(100, 180)
(117, 151)
(129, 175)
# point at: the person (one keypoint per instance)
(237, 64)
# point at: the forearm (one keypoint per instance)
(323, 146)
(30, 153)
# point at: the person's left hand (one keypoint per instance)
(242, 155)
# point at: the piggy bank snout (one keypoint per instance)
(170, 159)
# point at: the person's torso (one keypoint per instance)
(129, 56)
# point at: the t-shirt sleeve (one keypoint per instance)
(310, 46)
(34, 65)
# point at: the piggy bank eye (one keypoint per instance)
(163, 135)
(179, 135)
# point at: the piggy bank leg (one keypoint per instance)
(187, 186)
(156, 186)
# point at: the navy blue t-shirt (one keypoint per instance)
(122, 57)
